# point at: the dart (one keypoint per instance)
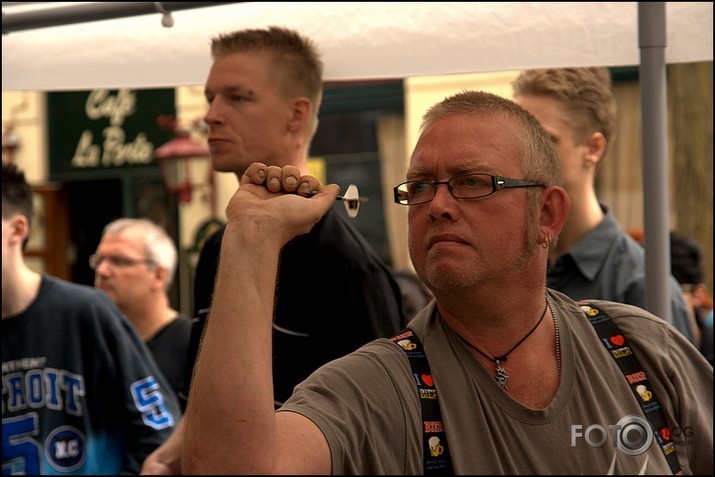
(351, 199)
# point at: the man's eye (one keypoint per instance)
(421, 187)
(472, 182)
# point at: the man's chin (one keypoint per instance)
(105, 289)
(450, 272)
(225, 163)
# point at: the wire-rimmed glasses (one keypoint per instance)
(116, 261)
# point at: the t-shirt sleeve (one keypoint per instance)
(343, 400)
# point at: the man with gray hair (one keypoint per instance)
(498, 374)
(135, 264)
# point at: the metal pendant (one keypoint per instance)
(501, 376)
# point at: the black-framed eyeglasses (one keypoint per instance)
(467, 186)
(116, 261)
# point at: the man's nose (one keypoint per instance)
(443, 204)
(213, 114)
(442, 191)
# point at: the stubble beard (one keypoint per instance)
(441, 272)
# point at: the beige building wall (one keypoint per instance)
(25, 113)
(619, 183)
(422, 92)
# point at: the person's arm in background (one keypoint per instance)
(231, 425)
(166, 459)
(635, 295)
(683, 318)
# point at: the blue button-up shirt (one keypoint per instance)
(608, 264)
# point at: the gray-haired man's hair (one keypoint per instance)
(159, 246)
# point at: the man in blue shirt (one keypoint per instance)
(593, 256)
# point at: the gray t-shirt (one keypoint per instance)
(367, 407)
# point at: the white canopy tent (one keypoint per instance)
(379, 41)
(359, 40)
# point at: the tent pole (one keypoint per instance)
(652, 43)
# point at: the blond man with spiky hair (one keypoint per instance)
(264, 91)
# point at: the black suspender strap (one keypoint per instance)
(617, 345)
(437, 459)
(434, 440)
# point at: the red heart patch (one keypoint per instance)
(617, 340)
(427, 379)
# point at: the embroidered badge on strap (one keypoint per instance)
(619, 348)
(434, 441)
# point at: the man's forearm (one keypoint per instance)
(230, 422)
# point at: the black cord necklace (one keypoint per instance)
(501, 376)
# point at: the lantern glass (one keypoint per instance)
(181, 159)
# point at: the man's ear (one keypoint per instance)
(19, 229)
(161, 274)
(555, 209)
(301, 109)
(596, 144)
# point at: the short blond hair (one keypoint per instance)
(298, 67)
(585, 93)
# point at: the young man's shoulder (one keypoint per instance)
(73, 291)
(76, 299)
(336, 235)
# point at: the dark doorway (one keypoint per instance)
(95, 203)
(92, 204)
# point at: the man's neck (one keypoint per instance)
(585, 215)
(19, 291)
(149, 320)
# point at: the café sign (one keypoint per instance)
(105, 130)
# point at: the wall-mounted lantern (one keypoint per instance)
(181, 158)
(10, 142)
